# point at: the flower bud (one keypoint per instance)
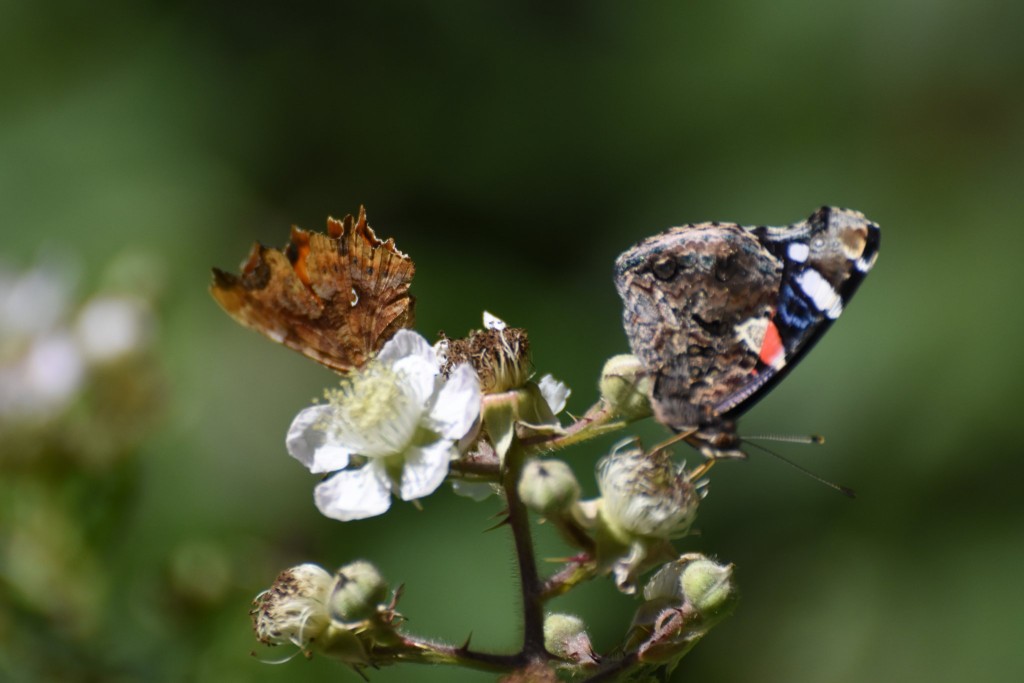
(682, 602)
(565, 636)
(548, 487)
(357, 591)
(626, 386)
(645, 494)
(343, 645)
(709, 587)
(294, 609)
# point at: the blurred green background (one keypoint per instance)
(514, 149)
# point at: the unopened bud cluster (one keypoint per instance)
(498, 437)
(341, 615)
(682, 601)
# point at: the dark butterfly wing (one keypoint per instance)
(825, 259)
(719, 313)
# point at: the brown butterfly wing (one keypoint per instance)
(336, 298)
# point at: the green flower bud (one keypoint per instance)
(626, 387)
(548, 487)
(357, 591)
(565, 636)
(682, 602)
(709, 587)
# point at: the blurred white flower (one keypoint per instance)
(52, 371)
(41, 367)
(32, 302)
(399, 416)
(111, 327)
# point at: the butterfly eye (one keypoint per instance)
(664, 268)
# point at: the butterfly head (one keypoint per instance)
(841, 245)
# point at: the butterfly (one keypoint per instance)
(336, 298)
(719, 313)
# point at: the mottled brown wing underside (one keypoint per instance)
(336, 298)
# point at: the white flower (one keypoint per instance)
(400, 416)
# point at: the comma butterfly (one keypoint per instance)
(335, 298)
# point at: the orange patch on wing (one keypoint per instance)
(335, 298)
(772, 352)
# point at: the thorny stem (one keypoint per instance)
(416, 650)
(518, 519)
(612, 672)
(478, 468)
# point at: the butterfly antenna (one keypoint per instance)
(807, 439)
(845, 490)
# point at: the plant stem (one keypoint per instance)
(613, 671)
(597, 421)
(530, 585)
(574, 573)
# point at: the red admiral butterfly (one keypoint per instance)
(718, 313)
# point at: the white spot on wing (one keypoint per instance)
(355, 297)
(820, 292)
(864, 265)
(751, 332)
(798, 251)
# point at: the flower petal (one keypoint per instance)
(354, 494)
(419, 379)
(425, 469)
(315, 448)
(409, 354)
(457, 406)
(493, 322)
(404, 344)
(477, 490)
(441, 351)
(555, 392)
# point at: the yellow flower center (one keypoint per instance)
(369, 398)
